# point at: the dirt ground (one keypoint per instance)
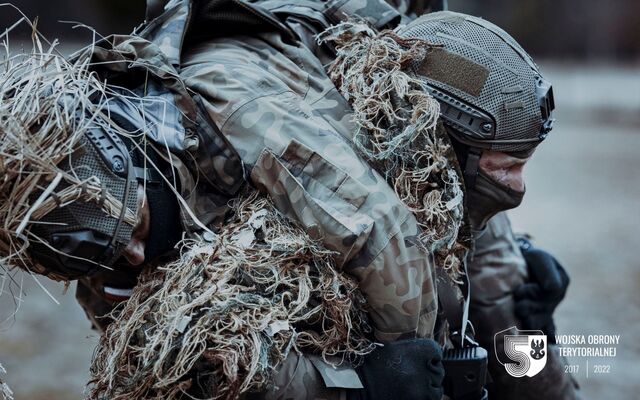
(582, 204)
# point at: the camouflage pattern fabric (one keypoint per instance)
(274, 104)
(495, 270)
(308, 377)
(280, 115)
(168, 27)
(378, 13)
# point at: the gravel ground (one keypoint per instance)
(582, 204)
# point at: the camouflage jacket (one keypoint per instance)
(259, 109)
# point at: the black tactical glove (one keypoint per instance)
(537, 299)
(407, 369)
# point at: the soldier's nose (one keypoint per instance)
(134, 252)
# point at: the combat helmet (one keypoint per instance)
(80, 237)
(491, 93)
(68, 189)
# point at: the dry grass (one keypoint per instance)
(5, 390)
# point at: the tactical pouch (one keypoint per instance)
(465, 373)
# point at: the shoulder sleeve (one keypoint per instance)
(296, 156)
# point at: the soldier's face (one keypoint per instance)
(134, 252)
(504, 168)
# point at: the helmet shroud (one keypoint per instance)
(490, 91)
(67, 199)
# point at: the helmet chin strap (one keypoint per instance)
(471, 166)
(128, 186)
(468, 159)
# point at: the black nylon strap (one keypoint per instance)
(147, 175)
(471, 167)
(452, 306)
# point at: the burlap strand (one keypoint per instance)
(217, 322)
(398, 131)
(46, 105)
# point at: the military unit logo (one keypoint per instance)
(523, 353)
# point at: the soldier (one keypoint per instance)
(266, 112)
(512, 283)
(498, 187)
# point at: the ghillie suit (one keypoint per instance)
(254, 265)
(41, 129)
(311, 176)
(216, 322)
(374, 225)
(398, 132)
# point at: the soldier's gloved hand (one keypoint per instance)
(537, 299)
(407, 369)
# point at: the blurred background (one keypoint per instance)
(582, 203)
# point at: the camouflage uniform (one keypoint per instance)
(495, 270)
(278, 110)
(260, 109)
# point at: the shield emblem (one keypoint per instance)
(524, 354)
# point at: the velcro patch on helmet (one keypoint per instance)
(454, 70)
